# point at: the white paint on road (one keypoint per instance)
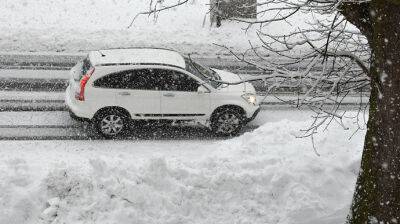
(33, 74)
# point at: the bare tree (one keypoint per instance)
(350, 46)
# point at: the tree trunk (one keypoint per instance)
(377, 194)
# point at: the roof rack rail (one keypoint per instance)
(159, 64)
(128, 48)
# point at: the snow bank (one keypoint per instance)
(82, 25)
(266, 176)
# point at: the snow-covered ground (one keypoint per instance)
(81, 25)
(264, 176)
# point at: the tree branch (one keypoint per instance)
(358, 14)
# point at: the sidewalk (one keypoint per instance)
(33, 74)
(49, 71)
(64, 61)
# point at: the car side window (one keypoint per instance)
(169, 80)
(140, 79)
(114, 81)
(162, 78)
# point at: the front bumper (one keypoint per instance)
(254, 115)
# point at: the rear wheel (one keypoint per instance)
(227, 122)
(111, 123)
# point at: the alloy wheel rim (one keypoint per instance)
(228, 123)
(111, 124)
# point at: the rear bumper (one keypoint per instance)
(77, 118)
(76, 109)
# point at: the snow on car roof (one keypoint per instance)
(137, 56)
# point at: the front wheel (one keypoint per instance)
(111, 123)
(227, 122)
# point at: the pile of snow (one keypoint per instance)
(266, 176)
(81, 25)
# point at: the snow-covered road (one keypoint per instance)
(58, 125)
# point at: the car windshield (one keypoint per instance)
(204, 73)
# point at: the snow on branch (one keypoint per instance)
(323, 61)
(154, 10)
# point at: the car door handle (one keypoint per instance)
(169, 95)
(124, 94)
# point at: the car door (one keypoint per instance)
(179, 95)
(135, 90)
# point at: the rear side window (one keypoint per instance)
(141, 79)
(113, 81)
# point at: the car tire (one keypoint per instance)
(111, 123)
(227, 122)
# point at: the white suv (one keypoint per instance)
(113, 87)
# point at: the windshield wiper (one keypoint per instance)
(215, 74)
(211, 76)
(194, 65)
(198, 70)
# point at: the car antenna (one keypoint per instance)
(103, 55)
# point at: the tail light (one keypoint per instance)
(81, 94)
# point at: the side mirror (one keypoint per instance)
(202, 89)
